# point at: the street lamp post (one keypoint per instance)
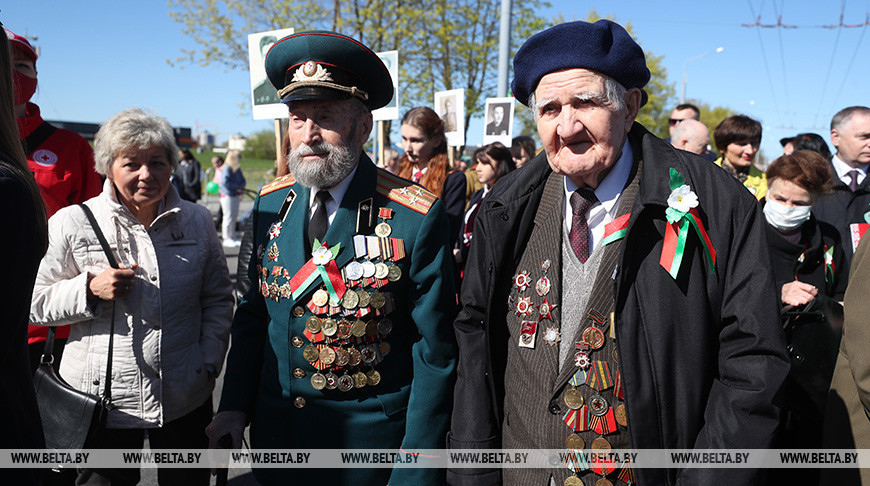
(686, 65)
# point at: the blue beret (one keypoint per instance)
(323, 65)
(604, 47)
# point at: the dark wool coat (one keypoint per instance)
(702, 356)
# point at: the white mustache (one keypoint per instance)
(320, 148)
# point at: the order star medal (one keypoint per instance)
(522, 281)
(552, 336)
(524, 307)
(275, 230)
(545, 310)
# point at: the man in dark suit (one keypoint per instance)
(498, 124)
(617, 293)
(345, 340)
(846, 206)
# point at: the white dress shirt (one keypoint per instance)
(337, 192)
(608, 193)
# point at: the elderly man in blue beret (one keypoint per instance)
(345, 341)
(617, 293)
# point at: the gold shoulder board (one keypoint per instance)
(404, 192)
(279, 183)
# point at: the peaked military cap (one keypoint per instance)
(604, 47)
(324, 65)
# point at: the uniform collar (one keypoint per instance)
(28, 123)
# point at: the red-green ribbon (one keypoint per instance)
(829, 264)
(674, 246)
(328, 273)
(615, 230)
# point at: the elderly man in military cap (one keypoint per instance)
(345, 340)
(619, 295)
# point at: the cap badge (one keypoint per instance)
(311, 71)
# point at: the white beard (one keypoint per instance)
(325, 173)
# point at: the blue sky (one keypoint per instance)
(99, 57)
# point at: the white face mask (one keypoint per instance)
(785, 218)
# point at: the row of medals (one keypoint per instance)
(593, 339)
(350, 342)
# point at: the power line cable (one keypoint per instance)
(766, 67)
(831, 63)
(778, 12)
(851, 62)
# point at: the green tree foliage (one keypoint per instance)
(261, 145)
(442, 44)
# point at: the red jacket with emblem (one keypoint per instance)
(63, 166)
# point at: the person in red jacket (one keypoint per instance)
(61, 161)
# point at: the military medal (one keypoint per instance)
(601, 445)
(313, 324)
(320, 298)
(579, 378)
(603, 482)
(318, 381)
(359, 379)
(626, 473)
(345, 383)
(593, 337)
(542, 286)
(311, 354)
(365, 298)
(581, 360)
(598, 405)
(552, 336)
(368, 354)
(273, 252)
(329, 327)
(522, 281)
(385, 326)
(578, 419)
(285, 291)
(350, 300)
(384, 347)
(383, 229)
(527, 334)
(378, 300)
(368, 269)
(394, 273)
(381, 270)
(354, 357)
(573, 398)
(275, 230)
(327, 355)
(353, 271)
(524, 307)
(619, 413)
(575, 442)
(343, 330)
(373, 377)
(331, 381)
(358, 328)
(617, 386)
(371, 329)
(545, 310)
(573, 481)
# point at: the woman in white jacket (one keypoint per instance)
(172, 297)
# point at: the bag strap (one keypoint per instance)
(107, 393)
(37, 137)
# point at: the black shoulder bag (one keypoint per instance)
(71, 418)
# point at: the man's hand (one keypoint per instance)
(112, 284)
(226, 422)
(798, 293)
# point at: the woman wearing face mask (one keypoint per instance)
(808, 268)
(806, 253)
(61, 161)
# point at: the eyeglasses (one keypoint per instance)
(674, 121)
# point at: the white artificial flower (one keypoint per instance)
(322, 256)
(683, 199)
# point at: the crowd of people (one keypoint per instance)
(611, 291)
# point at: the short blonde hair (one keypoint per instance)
(133, 128)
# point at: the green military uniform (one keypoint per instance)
(399, 365)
